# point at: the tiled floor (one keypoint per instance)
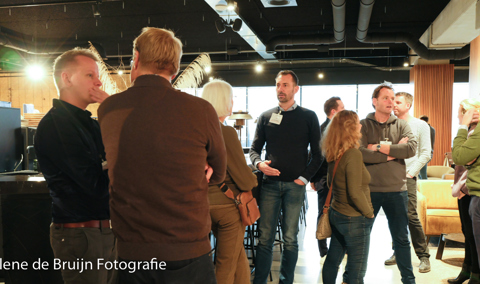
(309, 265)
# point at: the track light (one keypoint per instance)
(221, 25)
(320, 75)
(259, 67)
(237, 25)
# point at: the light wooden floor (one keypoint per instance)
(309, 265)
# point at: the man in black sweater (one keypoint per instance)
(287, 130)
(319, 180)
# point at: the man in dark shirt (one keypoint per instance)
(287, 130)
(423, 171)
(319, 180)
(70, 151)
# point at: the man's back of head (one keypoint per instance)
(157, 51)
(332, 106)
(424, 118)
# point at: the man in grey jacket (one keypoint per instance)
(385, 144)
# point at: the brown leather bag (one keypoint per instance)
(246, 204)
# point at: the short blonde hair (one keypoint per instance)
(158, 50)
(341, 134)
(219, 93)
(468, 104)
(407, 96)
(68, 57)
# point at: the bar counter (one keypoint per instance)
(25, 208)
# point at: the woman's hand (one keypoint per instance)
(471, 116)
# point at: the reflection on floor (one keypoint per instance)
(309, 264)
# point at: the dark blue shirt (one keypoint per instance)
(70, 152)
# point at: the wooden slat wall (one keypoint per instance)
(20, 90)
(474, 70)
(433, 97)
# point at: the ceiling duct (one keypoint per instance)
(338, 7)
(421, 50)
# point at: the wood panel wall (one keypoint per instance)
(433, 97)
(19, 89)
(474, 74)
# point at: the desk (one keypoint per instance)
(25, 217)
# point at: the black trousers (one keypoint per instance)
(471, 257)
(198, 270)
(322, 192)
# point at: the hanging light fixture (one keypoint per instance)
(221, 6)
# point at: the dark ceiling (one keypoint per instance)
(55, 26)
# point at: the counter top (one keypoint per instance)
(23, 184)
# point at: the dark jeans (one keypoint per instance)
(322, 192)
(198, 270)
(474, 212)
(86, 245)
(414, 224)
(394, 205)
(471, 257)
(423, 171)
(275, 196)
(352, 235)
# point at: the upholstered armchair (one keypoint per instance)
(437, 172)
(437, 209)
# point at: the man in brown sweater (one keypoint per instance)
(158, 141)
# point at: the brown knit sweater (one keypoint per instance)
(239, 176)
(157, 141)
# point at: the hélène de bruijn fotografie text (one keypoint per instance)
(82, 265)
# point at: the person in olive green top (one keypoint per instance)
(231, 264)
(465, 152)
(351, 212)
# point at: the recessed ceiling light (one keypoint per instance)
(208, 69)
(259, 68)
(320, 75)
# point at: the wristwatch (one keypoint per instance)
(378, 147)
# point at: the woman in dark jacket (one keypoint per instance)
(231, 261)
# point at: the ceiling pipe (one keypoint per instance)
(338, 7)
(364, 15)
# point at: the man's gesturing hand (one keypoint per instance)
(266, 169)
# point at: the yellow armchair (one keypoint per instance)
(438, 210)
